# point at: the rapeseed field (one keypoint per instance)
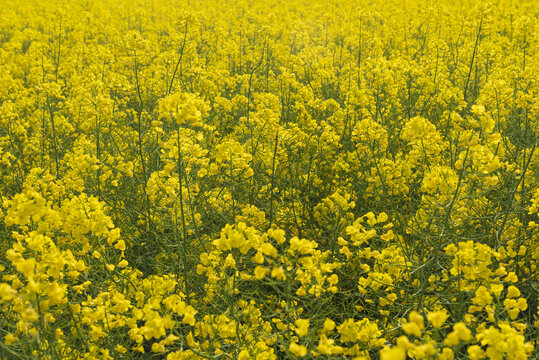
(264, 179)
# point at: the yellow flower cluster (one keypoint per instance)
(252, 179)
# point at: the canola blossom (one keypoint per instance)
(269, 179)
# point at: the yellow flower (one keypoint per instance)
(189, 317)
(496, 289)
(329, 325)
(57, 292)
(158, 347)
(382, 217)
(258, 258)
(268, 249)
(447, 354)
(327, 346)
(513, 292)
(26, 267)
(298, 350)
(482, 297)
(260, 272)
(452, 339)
(477, 109)
(462, 331)
(230, 262)
(184, 108)
(7, 293)
(522, 304)
(416, 324)
(278, 273)
(123, 263)
(411, 328)
(511, 277)
(437, 318)
(244, 355)
(302, 327)
(513, 307)
(120, 349)
(278, 235)
(120, 245)
(475, 352)
(10, 339)
(394, 353)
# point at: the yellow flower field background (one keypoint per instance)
(202, 179)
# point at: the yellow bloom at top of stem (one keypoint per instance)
(394, 353)
(302, 327)
(437, 318)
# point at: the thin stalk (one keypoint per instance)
(512, 197)
(179, 60)
(273, 179)
(141, 152)
(182, 214)
(473, 57)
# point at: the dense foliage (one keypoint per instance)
(203, 179)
